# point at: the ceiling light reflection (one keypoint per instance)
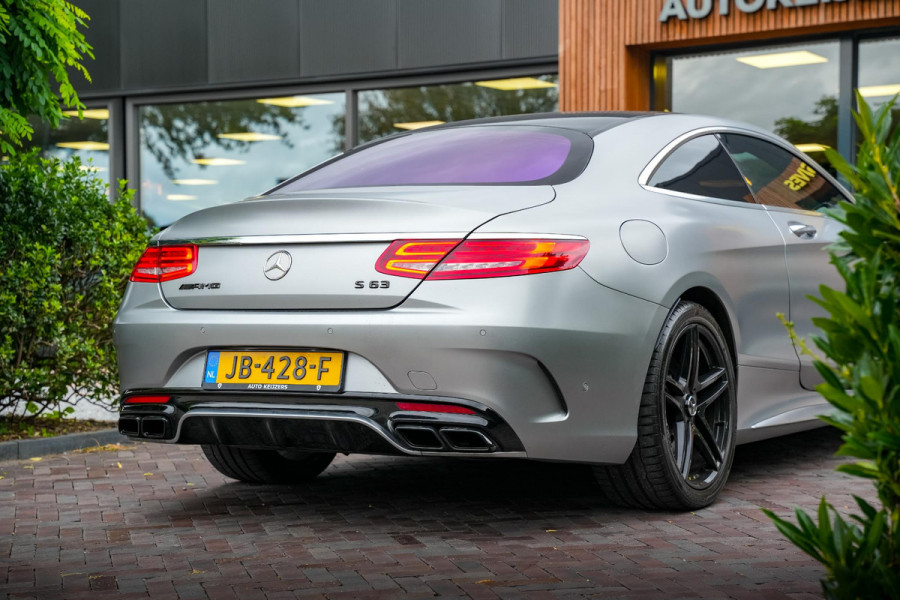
(417, 124)
(516, 83)
(218, 162)
(782, 59)
(294, 101)
(195, 181)
(811, 147)
(85, 145)
(89, 113)
(249, 136)
(874, 91)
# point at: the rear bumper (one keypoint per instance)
(557, 358)
(370, 423)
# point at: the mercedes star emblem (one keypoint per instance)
(277, 265)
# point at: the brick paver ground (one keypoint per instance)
(157, 521)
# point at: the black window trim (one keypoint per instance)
(651, 168)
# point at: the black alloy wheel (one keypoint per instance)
(686, 424)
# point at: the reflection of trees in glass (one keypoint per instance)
(180, 132)
(821, 130)
(379, 110)
(817, 131)
(71, 129)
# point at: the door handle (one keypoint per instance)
(802, 231)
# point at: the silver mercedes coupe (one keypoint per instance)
(599, 288)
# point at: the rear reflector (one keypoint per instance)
(438, 408)
(165, 263)
(473, 259)
(147, 399)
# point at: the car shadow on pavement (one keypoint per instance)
(473, 494)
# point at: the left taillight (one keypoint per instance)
(477, 258)
(164, 263)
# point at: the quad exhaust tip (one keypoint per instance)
(458, 439)
(154, 427)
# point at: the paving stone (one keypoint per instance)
(157, 521)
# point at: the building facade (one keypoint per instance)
(201, 102)
(790, 66)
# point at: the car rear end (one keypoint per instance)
(383, 319)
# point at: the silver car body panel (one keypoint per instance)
(561, 357)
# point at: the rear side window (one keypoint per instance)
(701, 167)
(778, 177)
(486, 155)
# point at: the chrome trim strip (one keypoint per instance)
(358, 410)
(320, 238)
(322, 416)
(487, 235)
(663, 154)
(343, 238)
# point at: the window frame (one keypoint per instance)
(791, 150)
(688, 194)
(648, 171)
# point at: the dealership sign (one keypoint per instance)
(700, 9)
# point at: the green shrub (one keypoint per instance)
(861, 343)
(66, 252)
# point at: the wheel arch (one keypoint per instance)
(711, 301)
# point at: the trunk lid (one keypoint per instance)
(332, 241)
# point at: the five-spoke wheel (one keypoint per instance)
(687, 419)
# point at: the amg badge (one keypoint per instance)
(200, 286)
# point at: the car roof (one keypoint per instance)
(591, 123)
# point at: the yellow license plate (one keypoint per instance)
(274, 370)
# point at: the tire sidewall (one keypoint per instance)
(684, 316)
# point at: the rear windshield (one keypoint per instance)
(484, 155)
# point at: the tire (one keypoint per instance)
(266, 466)
(686, 423)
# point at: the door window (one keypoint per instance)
(701, 167)
(778, 177)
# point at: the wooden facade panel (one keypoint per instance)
(605, 45)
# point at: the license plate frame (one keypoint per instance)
(319, 372)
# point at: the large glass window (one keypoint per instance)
(383, 112)
(87, 138)
(879, 70)
(201, 154)
(791, 90)
(461, 156)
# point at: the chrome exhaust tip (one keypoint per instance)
(467, 440)
(419, 437)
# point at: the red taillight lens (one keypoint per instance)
(474, 259)
(164, 263)
(438, 408)
(413, 258)
(147, 399)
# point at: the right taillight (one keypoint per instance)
(164, 263)
(477, 258)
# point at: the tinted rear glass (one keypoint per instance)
(702, 167)
(485, 155)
